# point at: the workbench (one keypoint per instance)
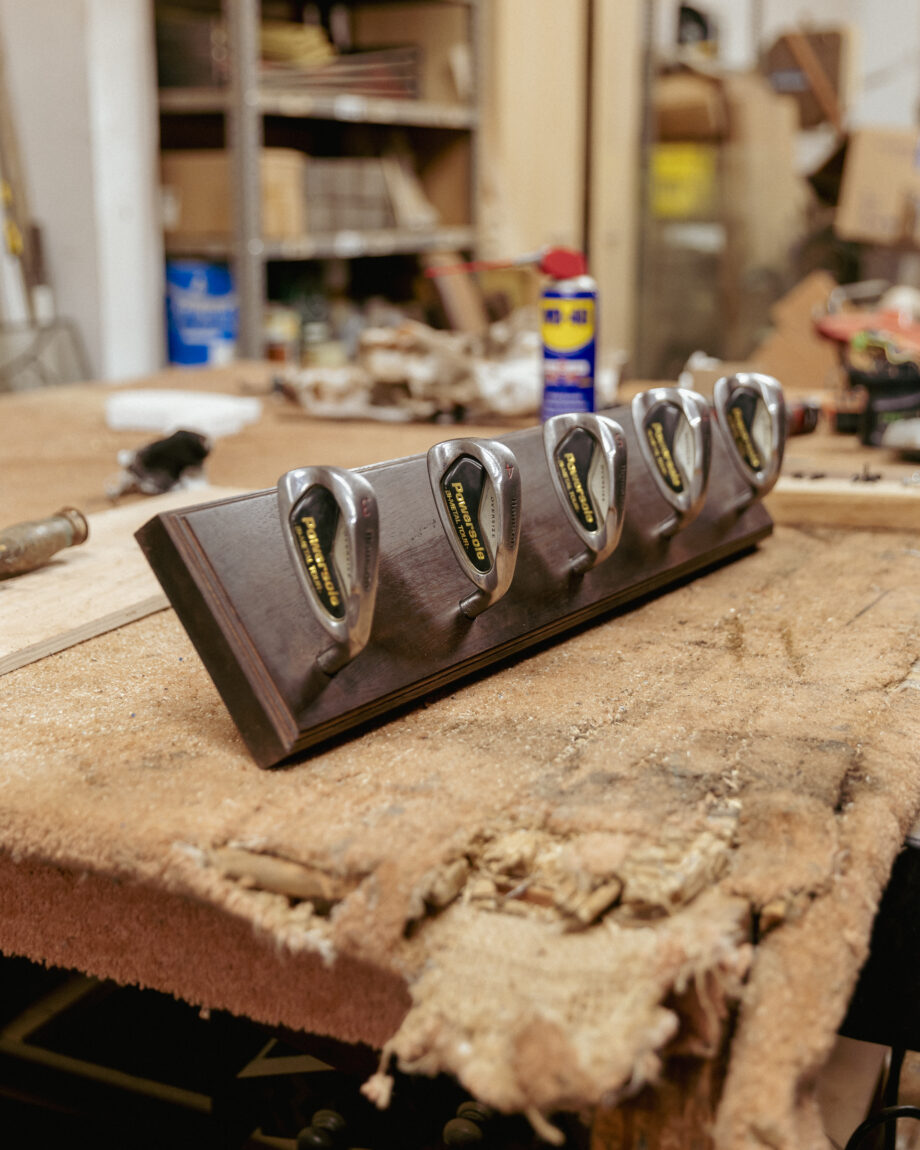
(734, 763)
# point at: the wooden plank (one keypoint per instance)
(87, 590)
(838, 502)
(805, 56)
(613, 211)
(18, 235)
(226, 569)
(460, 295)
(531, 174)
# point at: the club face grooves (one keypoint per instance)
(465, 487)
(316, 522)
(575, 459)
(742, 415)
(662, 429)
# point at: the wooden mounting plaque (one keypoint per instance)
(227, 572)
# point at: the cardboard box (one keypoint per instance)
(191, 49)
(803, 361)
(445, 179)
(197, 196)
(813, 68)
(880, 192)
(688, 106)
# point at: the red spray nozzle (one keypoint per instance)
(563, 263)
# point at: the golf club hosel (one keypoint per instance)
(331, 528)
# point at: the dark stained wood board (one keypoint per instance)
(226, 570)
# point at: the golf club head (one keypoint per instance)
(751, 411)
(587, 456)
(477, 491)
(330, 524)
(675, 438)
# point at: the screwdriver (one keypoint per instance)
(25, 546)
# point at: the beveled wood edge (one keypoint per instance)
(170, 536)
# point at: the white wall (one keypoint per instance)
(81, 80)
(889, 68)
(887, 58)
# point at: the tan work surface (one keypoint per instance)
(545, 881)
(85, 591)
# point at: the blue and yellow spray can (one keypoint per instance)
(568, 327)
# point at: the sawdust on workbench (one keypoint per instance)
(596, 859)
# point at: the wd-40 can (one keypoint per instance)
(568, 317)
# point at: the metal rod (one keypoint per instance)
(477, 32)
(587, 164)
(646, 147)
(244, 141)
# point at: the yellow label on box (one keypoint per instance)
(684, 181)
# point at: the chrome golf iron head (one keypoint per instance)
(477, 492)
(587, 455)
(751, 412)
(675, 437)
(330, 523)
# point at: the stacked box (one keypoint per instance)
(196, 194)
(300, 195)
(347, 194)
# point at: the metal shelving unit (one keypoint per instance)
(342, 244)
(244, 103)
(344, 107)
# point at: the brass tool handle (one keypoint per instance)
(25, 546)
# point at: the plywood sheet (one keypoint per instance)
(87, 590)
(841, 502)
